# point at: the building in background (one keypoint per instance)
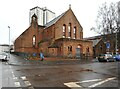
(4, 48)
(118, 34)
(104, 44)
(43, 14)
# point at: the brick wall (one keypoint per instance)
(24, 43)
(69, 17)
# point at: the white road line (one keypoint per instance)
(23, 78)
(17, 84)
(72, 84)
(27, 83)
(15, 78)
(99, 83)
(93, 80)
(13, 75)
(12, 71)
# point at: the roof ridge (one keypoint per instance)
(54, 20)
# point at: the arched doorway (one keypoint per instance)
(79, 51)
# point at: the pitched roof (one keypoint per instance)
(54, 20)
(95, 42)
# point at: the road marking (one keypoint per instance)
(12, 71)
(27, 83)
(23, 78)
(72, 84)
(17, 84)
(99, 83)
(15, 78)
(93, 80)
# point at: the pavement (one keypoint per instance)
(17, 60)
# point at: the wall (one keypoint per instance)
(67, 18)
(24, 43)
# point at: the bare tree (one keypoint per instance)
(108, 22)
(107, 19)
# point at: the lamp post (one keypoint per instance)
(116, 42)
(116, 39)
(9, 41)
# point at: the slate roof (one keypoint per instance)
(94, 39)
(54, 20)
(95, 42)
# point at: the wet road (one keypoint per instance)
(20, 73)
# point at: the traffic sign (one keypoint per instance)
(107, 45)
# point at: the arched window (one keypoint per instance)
(87, 50)
(64, 30)
(74, 32)
(34, 40)
(69, 30)
(69, 48)
(34, 20)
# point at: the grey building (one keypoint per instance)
(4, 48)
(43, 14)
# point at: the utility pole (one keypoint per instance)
(116, 42)
(9, 41)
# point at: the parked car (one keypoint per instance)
(116, 57)
(105, 58)
(3, 56)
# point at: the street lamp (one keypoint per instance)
(116, 43)
(9, 41)
(116, 39)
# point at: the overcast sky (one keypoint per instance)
(15, 13)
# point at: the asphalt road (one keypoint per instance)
(18, 72)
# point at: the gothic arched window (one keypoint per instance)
(69, 30)
(64, 30)
(34, 40)
(74, 32)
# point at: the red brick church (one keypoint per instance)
(61, 37)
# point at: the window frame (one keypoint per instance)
(69, 30)
(34, 40)
(74, 32)
(64, 30)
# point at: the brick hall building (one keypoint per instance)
(61, 37)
